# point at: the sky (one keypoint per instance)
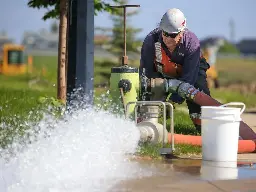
(204, 17)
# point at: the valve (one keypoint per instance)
(125, 84)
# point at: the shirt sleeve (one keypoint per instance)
(147, 57)
(191, 64)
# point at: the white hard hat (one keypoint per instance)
(173, 21)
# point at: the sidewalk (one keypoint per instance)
(167, 184)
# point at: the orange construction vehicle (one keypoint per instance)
(210, 48)
(12, 60)
(212, 73)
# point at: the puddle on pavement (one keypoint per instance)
(179, 172)
(203, 170)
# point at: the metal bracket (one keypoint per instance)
(163, 150)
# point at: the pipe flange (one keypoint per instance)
(158, 134)
(154, 137)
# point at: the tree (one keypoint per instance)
(58, 9)
(117, 42)
(102, 35)
(54, 27)
(229, 48)
(53, 7)
(62, 51)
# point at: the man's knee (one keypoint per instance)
(194, 113)
(195, 109)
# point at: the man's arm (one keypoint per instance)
(147, 56)
(190, 68)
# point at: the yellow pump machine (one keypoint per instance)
(12, 60)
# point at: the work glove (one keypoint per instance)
(176, 98)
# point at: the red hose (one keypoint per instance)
(244, 146)
(203, 99)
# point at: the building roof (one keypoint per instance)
(211, 41)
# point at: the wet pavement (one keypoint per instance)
(192, 175)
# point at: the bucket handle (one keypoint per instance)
(212, 118)
(235, 103)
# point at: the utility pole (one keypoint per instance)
(80, 70)
(232, 30)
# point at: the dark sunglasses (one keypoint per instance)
(172, 35)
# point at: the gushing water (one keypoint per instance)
(84, 151)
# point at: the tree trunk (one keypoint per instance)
(61, 85)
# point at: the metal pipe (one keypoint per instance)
(172, 124)
(124, 31)
(125, 57)
(146, 133)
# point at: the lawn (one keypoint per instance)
(19, 97)
(232, 71)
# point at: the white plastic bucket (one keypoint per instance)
(220, 132)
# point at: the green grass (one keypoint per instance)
(18, 100)
(236, 70)
(49, 63)
(152, 151)
(235, 96)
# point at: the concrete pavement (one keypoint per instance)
(167, 184)
(191, 175)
